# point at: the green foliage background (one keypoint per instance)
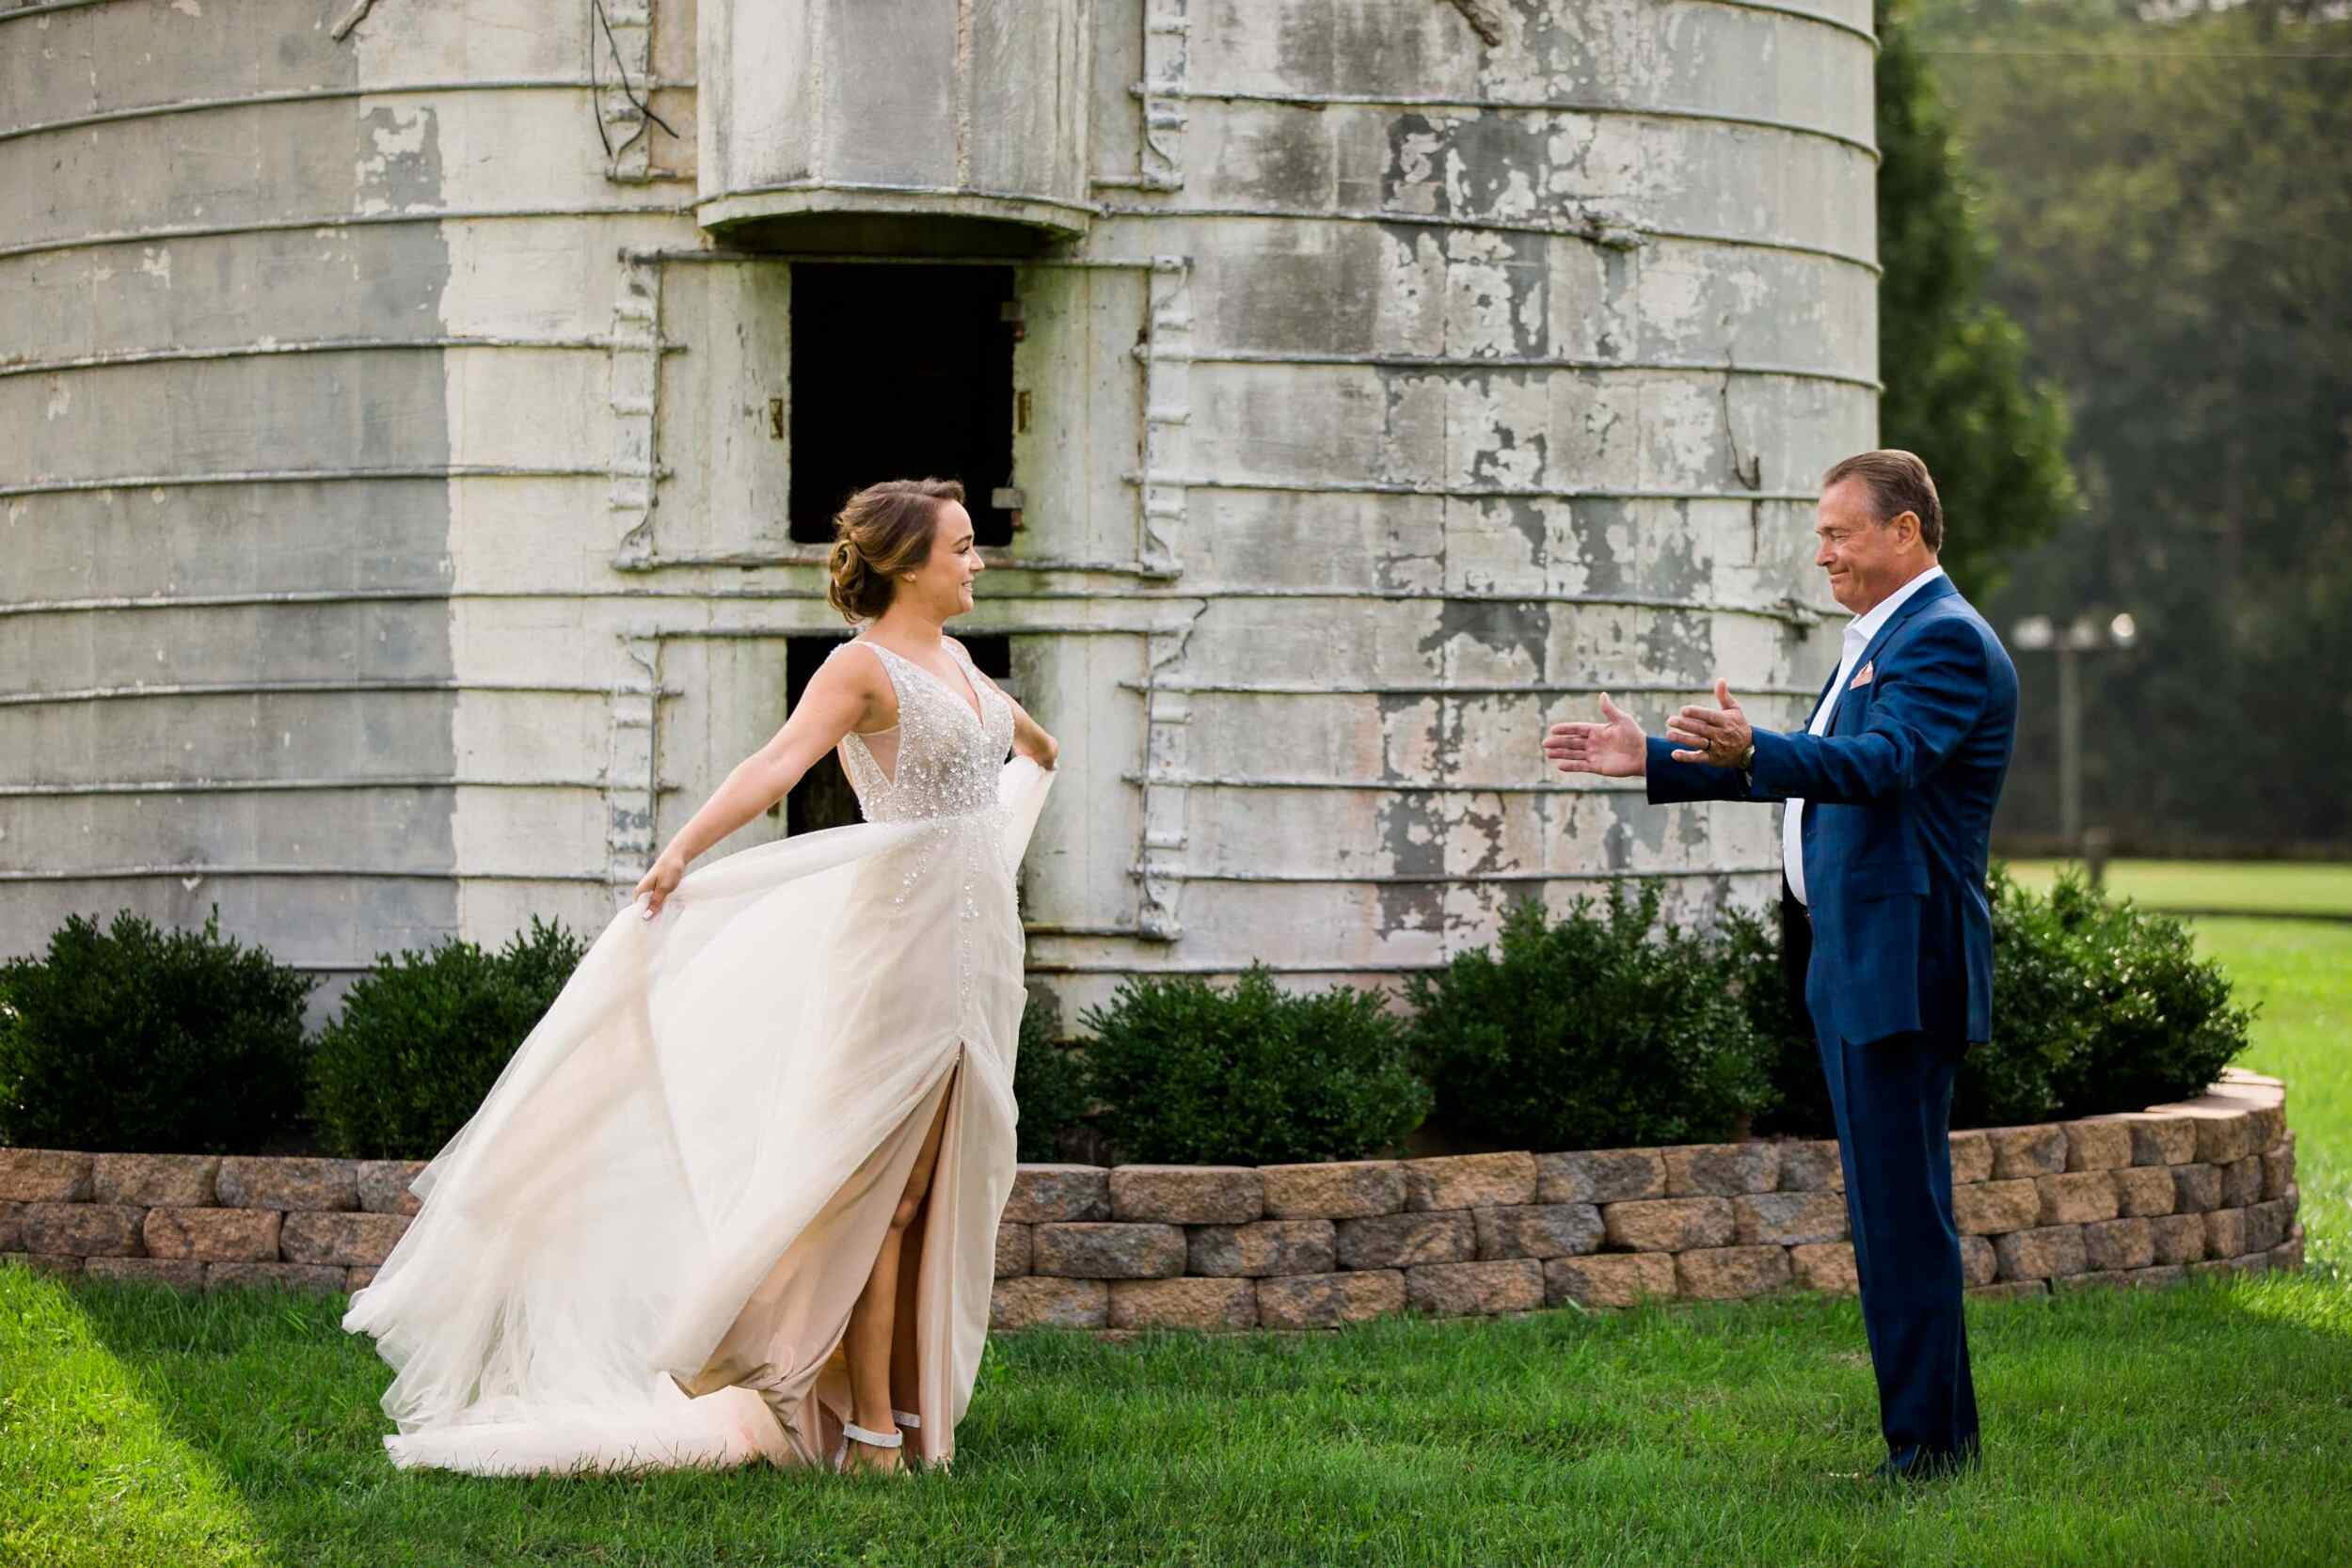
(2170, 207)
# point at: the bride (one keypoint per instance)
(737, 1194)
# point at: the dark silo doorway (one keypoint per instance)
(901, 372)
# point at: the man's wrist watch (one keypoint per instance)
(1747, 759)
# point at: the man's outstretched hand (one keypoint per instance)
(1615, 748)
(1719, 735)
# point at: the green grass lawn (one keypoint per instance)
(2316, 888)
(2206, 1425)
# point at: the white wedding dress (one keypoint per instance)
(642, 1249)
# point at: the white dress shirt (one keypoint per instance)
(1858, 634)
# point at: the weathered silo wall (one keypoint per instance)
(408, 527)
(1505, 349)
(302, 339)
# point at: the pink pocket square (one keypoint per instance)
(1861, 679)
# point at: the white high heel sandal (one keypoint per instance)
(853, 1432)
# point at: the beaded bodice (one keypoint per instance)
(948, 758)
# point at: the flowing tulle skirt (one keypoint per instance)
(642, 1250)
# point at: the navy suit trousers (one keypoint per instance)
(1893, 1103)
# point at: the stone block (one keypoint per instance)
(11, 1226)
(1342, 1190)
(1187, 1195)
(1995, 1207)
(2268, 1223)
(179, 1273)
(1470, 1181)
(2288, 1254)
(350, 1240)
(1600, 1176)
(2267, 1126)
(1328, 1300)
(2162, 1277)
(174, 1180)
(1610, 1279)
(2098, 1144)
(2021, 1151)
(2196, 1188)
(83, 1229)
(1788, 1219)
(323, 1278)
(213, 1235)
(1398, 1240)
(1721, 1170)
(2097, 1279)
(1979, 1263)
(1086, 1249)
(1033, 1301)
(1044, 1195)
(1728, 1274)
(323, 1185)
(1195, 1304)
(44, 1176)
(2110, 1244)
(2009, 1290)
(359, 1278)
(1814, 1167)
(2144, 1191)
(2162, 1140)
(1827, 1267)
(2279, 1170)
(1972, 1156)
(1537, 1230)
(1263, 1247)
(2242, 1182)
(2178, 1238)
(1475, 1290)
(1670, 1224)
(2224, 1137)
(1012, 1251)
(2225, 1233)
(43, 1263)
(2045, 1252)
(2078, 1198)
(384, 1185)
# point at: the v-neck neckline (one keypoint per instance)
(972, 707)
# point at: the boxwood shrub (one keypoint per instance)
(1603, 1028)
(1184, 1073)
(422, 1037)
(134, 1040)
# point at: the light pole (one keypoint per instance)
(2035, 634)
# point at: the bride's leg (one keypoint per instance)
(873, 1321)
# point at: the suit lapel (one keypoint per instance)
(1940, 588)
(1851, 703)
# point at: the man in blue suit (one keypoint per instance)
(1886, 825)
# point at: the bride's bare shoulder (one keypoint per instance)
(860, 676)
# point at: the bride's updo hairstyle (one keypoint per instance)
(879, 533)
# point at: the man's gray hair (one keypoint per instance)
(1898, 483)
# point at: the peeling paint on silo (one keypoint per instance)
(1394, 376)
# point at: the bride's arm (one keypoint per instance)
(843, 695)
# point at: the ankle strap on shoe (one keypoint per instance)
(872, 1439)
(908, 1418)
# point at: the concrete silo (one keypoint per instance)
(422, 420)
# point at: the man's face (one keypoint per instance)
(1866, 559)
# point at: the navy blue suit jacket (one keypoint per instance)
(1897, 822)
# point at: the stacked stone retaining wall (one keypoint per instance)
(2152, 1199)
